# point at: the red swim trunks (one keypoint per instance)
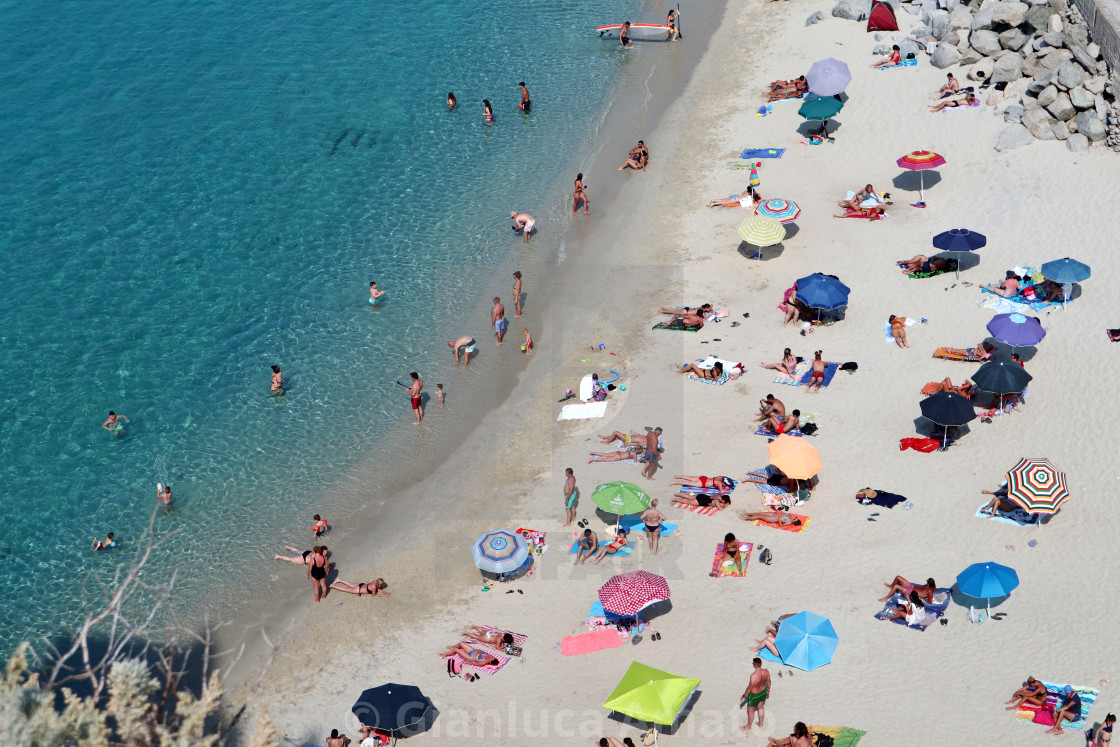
(415, 403)
(817, 375)
(704, 481)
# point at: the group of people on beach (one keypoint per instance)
(318, 564)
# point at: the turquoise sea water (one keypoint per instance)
(191, 193)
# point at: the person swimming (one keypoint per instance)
(113, 424)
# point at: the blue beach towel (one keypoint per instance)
(762, 153)
(912, 62)
(933, 610)
(621, 553)
(634, 524)
(771, 489)
(830, 370)
(765, 655)
(764, 431)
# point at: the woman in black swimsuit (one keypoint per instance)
(317, 571)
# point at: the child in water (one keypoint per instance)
(319, 526)
(99, 545)
(528, 346)
(439, 394)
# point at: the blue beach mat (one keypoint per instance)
(764, 431)
(830, 370)
(904, 63)
(936, 611)
(706, 491)
(771, 489)
(765, 655)
(621, 553)
(634, 524)
(762, 153)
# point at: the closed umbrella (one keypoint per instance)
(822, 109)
(828, 77)
(959, 240)
(620, 498)
(947, 409)
(819, 291)
(1016, 330)
(651, 695)
(761, 232)
(987, 581)
(391, 707)
(806, 641)
(920, 160)
(1001, 377)
(782, 211)
(794, 456)
(1037, 486)
(500, 551)
(628, 594)
(1064, 271)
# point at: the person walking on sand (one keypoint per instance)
(498, 319)
(465, 344)
(579, 194)
(317, 571)
(523, 222)
(113, 424)
(652, 518)
(571, 496)
(757, 693)
(517, 292)
(525, 104)
(277, 381)
(374, 294)
(414, 390)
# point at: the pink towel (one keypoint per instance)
(586, 643)
(490, 669)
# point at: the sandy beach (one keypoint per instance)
(651, 241)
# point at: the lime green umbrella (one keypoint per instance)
(620, 498)
(648, 694)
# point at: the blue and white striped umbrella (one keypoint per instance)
(500, 551)
(782, 211)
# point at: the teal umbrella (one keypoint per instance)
(822, 109)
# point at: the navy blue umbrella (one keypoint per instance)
(391, 707)
(948, 409)
(1001, 377)
(822, 292)
(957, 240)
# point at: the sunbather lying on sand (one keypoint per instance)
(900, 584)
(1009, 287)
(780, 518)
(475, 656)
(982, 350)
(768, 641)
(1033, 693)
(372, 588)
(688, 319)
(633, 454)
(749, 196)
(898, 330)
(922, 263)
(719, 482)
(489, 637)
(965, 390)
(968, 100)
(649, 439)
(776, 480)
(702, 310)
(718, 502)
(785, 365)
(712, 373)
(788, 89)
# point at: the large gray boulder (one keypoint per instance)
(1077, 143)
(1061, 108)
(983, 18)
(908, 48)
(1087, 61)
(1069, 74)
(816, 17)
(1054, 38)
(1013, 39)
(960, 18)
(1082, 99)
(1037, 121)
(1038, 17)
(1013, 114)
(1011, 14)
(1013, 136)
(984, 42)
(1047, 96)
(982, 70)
(1009, 67)
(944, 56)
(939, 24)
(1090, 125)
(853, 10)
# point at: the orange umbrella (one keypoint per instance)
(794, 456)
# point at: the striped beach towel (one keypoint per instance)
(800, 370)
(702, 510)
(490, 668)
(726, 569)
(1054, 701)
(790, 528)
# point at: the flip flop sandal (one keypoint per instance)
(734, 324)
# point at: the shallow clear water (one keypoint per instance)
(192, 193)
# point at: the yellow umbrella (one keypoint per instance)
(761, 231)
(794, 456)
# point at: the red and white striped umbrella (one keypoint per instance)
(1037, 486)
(630, 593)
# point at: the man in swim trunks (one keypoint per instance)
(414, 392)
(111, 423)
(769, 406)
(816, 379)
(466, 344)
(525, 104)
(571, 496)
(374, 294)
(624, 35)
(650, 439)
(163, 494)
(523, 222)
(652, 519)
(757, 693)
(586, 546)
(498, 319)
(784, 423)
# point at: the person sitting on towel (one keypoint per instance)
(611, 547)
(912, 611)
(784, 424)
(922, 263)
(950, 87)
(718, 502)
(769, 406)
(1070, 710)
(731, 553)
(894, 58)
(902, 585)
(1009, 287)
(968, 100)
(1034, 693)
(780, 518)
(998, 503)
(1053, 291)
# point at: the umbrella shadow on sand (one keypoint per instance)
(750, 251)
(925, 427)
(813, 127)
(964, 600)
(964, 260)
(506, 577)
(682, 716)
(912, 181)
(1026, 352)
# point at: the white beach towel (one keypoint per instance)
(583, 412)
(887, 330)
(868, 203)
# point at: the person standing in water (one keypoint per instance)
(624, 35)
(517, 292)
(498, 319)
(451, 102)
(525, 104)
(487, 111)
(523, 222)
(112, 423)
(414, 391)
(671, 22)
(374, 294)
(163, 494)
(579, 194)
(277, 381)
(317, 571)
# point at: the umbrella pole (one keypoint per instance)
(922, 188)
(958, 267)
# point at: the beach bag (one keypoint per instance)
(850, 366)
(454, 666)
(513, 650)
(823, 740)
(809, 428)
(1044, 717)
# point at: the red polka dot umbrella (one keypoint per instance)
(630, 593)
(1037, 486)
(919, 161)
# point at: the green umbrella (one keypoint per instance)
(648, 694)
(620, 498)
(821, 108)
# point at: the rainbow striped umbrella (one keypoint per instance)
(1037, 486)
(782, 211)
(761, 232)
(500, 551)
(919, 161)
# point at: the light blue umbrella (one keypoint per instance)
(1065, 271)
(987, 581)
(500, 551)
(806, 641)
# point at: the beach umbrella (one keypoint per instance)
(822, 109)
(651, 695)
(794, 456)
(1065, 270)
(959, 240)
(920, 160)
(947, 409)
(1016, 330)
(782, 211)
(1037, 486)
(987, 581)
(1001, 377)
(628, 594)
(620, 498)
(761, 232)
(819, 291)
(500, 551)
(391, 707)
(828, 77)
(806, 641)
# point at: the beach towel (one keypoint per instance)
(934, 273)
(873, 497)
(912, 62)
(887, 329)
(723, 379)
(586, 643)
(830, 369)
(765, 655)
(727, 569)
(752, 153)
(963, 107)
(708, 491)
(1053, 701)
(583, 411)
(795, 530)
(702, 510)
(676, 325)
(842, 736)
(764, 431)
(1014, 304)
(944, 354)
(634, 524)
(924, 445)
(795, 378)
(763, 487)
(518, 638)
(489, 669)
(849, 213)
(870, 202)
(934, 610)
(1019, 517)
